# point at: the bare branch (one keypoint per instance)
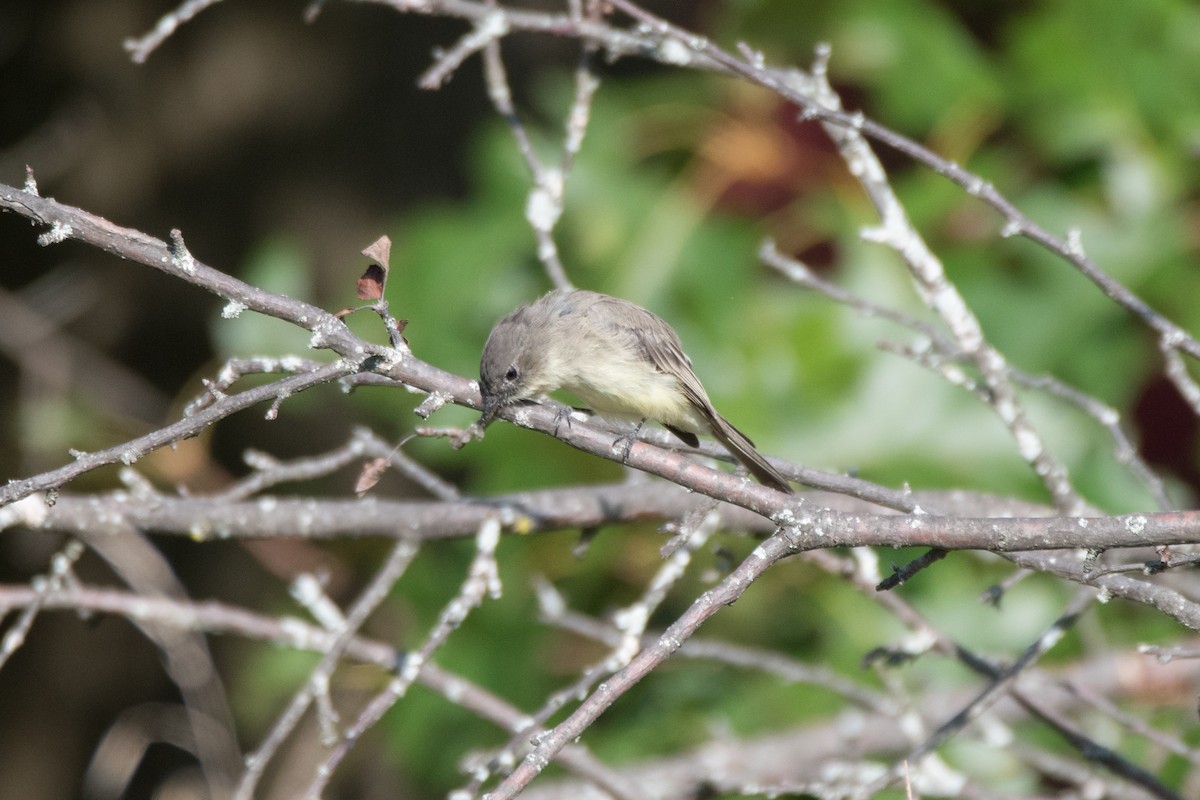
(483, 578)
(131, 451)
(375, 592)
(552, 742)
(214, 617)
(201, 518)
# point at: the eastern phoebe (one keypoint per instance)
(616, 356)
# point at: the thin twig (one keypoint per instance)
(482, 579)
(630, 622)
(215, 617)
(1124, 450)
(999, 686)
(548, 745)
(373, 594)
(135, 449)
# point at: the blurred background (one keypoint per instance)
(281, 149)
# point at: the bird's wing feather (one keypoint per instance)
(659, 343)
(661, 346)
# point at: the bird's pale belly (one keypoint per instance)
(653, 396)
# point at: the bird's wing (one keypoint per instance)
(659, 344)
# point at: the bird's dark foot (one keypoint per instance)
(565, 414)
(624, 443)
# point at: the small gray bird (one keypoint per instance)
(616, 356)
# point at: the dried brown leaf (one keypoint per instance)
(380, 251)
(371, 472)
(371, 284)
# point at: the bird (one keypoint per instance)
(621, 359)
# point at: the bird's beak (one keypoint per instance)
(491, 404)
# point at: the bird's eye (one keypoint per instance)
(512, 374)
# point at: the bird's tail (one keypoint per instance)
(743, 450)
